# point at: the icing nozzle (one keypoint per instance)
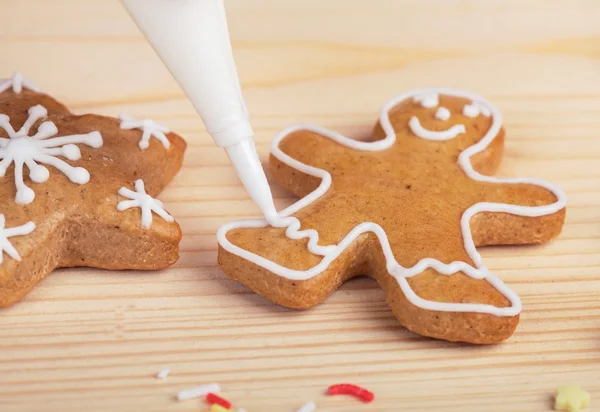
(192, 40)
(247, 165)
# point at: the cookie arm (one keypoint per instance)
(522, 213)
(301, 158)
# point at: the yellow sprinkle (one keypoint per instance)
(218, 408)
(571, 398)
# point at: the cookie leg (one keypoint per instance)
(409, 300)
(282, 270)
(510, 229)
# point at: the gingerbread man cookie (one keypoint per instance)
(76, 206)
(408, 208)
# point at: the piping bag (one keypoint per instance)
(192, 40)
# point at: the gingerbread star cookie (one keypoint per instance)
(407, 208)
(77, 190)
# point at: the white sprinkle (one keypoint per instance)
(163, 374)
(241, 410)
(308, 407)
(198, 391)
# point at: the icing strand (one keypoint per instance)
(17, 83)
(420, 131)
(442, 114)
(149, 129)
(145, 202)
(331, 252)
(22, 149)
(5, 233)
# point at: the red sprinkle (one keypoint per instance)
(352, 390)
(212, 399)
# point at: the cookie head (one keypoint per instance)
(453, 119)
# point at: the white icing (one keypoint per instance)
(442, 113)
(145, 202)
(308, 407)
(163, 374)
(427, 100)
(475, 108)
(420, 131)
(5, 233)
(198, 391)
(331, 252)
(149, 129)
(22, 149)
(18, 82)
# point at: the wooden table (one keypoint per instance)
(90, 340)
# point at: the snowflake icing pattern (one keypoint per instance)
(145, 202)
(18, 82)
(149, 129)
(5, 233)
(22, 149)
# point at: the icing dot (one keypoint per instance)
(442, 113)
(37, 111)
(71, 152)
(94, 139)
(24, 196)
(47, 129)
(39, 174)
(475, 109)
(427, 100)
(79, 175)
(471, 110)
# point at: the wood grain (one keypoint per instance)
(87, 340)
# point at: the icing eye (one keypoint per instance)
(427, 100)
(475, 109)
(470, 110)
(442, 113)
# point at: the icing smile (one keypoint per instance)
(420, 131)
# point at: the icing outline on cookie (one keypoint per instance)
(22, 149)
(332, 252)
